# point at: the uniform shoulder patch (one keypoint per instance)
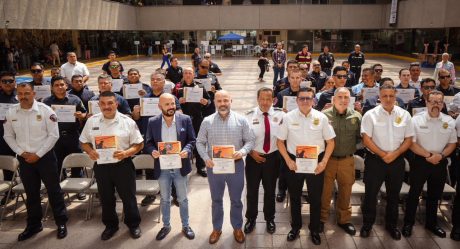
(53, 117)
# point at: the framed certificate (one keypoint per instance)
(4, 107)
(42, 92)
(405, 95)
(222, 156)
(306, 158)
(169, 155)
(131, 91)
(149, 107)
(117, 84)
(64, 113)
(93, 106)
(205, 82)
(193, 94)
(105, 147)
(370, 92)
(289, 103)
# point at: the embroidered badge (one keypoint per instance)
(445, 125)
(353, 121)
(275, 119)
(316, 121)
(39, 117)
(398, 120)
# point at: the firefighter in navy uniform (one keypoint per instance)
(356, 60)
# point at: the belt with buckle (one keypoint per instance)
(341, 157)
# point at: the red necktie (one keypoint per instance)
(267, 133)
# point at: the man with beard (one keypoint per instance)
(225, 128)
(435, 139)
(31, 131)
(119, 175)
(427, 85)
(171, 127)
(195, 111)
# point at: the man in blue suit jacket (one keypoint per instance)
(169, 127)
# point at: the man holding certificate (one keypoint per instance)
(70, 113)
(418, 105)
(170, 139)
(133, 90)
(404, 77)
(194, 109)
(210, 83)
(227, 137)
(104, 82)
(286, 98)
(112, 139)
(341, 166)
(387, 133)
(301, 142)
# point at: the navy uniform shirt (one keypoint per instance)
(320, 79)
(123, 106)
(450, 91)
(280, 85)
(356, 60)
(85, 95)
(214, 68)
(174, 74)
(8, 99)
(69, 99)
(194, 110)
(280, 95)
(420, 102)
(214, 82)
(417, 93)
(326, 60)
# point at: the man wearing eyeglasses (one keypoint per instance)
(426, 85)
(203, 73)
(351, 81)
(7, 96)
(378, 70)
(106, 67)
(387, 133)
(435, 139)
(305, 126)
(213, 67)
(445, 83)
(36, 69)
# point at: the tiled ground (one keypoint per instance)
(240, 78)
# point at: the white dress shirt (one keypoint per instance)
(68, 70)
(433, 134)
(256, 120)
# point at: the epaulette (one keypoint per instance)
(277, 109)
(249, 112)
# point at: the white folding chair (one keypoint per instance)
(77, 185)
(19, 190)
(146, 187)
(7, 163)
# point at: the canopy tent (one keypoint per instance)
(230, 37)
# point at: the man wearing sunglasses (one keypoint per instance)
(106, 67)
(305, 126)
(7, 96)
(427, 85)
(378, 70)
(36, 69)
(445, 83)
(203, 73)
(319, 76)
(213, 67)
(340, 77)
(435, 139)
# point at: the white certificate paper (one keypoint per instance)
(289, 103)
(193, 94)
(106, 147)
(117, 84)
(149, 107)
(305, 84)
(205, 82)
(93, 106)
(222, 156)
(4, 107)
(306, 158)
(370, 92)
(405, 95)
(169, 155)
(42, 92)
(448, 100)
(418, 110)
(64, 113)
(131, 91)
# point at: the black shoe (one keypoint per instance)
(163, 232)
(29, 232)
(202, 172)
(61, 231)
(293, 234)
(394, 232)
(315, 238)
(188, 232)
(348, 228)
(321, 227)
(365, 231)
(271, 226)
(406, 230)
(280, 196)
(455, 233)
(108, 233)
(81, 196)
(148, 199)
(175, 202)
(5, 200)
(135, 232)
(249, 226)
(438, 231)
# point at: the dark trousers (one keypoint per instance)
(266, 172)
(121, 177)
(66, 145)
(45, 169)
(282, 184)
(456, 208)
(199, 162)
(262, 71)
(295, 182)
(357, 72)
(422, 171)
(278, 73)
(376, 172)
(7, 175)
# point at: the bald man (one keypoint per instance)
(225, 128)
(171, 127)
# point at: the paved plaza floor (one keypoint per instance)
(240, 79)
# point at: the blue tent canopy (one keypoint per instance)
(231, 37)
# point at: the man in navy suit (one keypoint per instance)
(170, 127)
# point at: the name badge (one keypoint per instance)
(423, 127)
(255, 121)
(95, 128)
